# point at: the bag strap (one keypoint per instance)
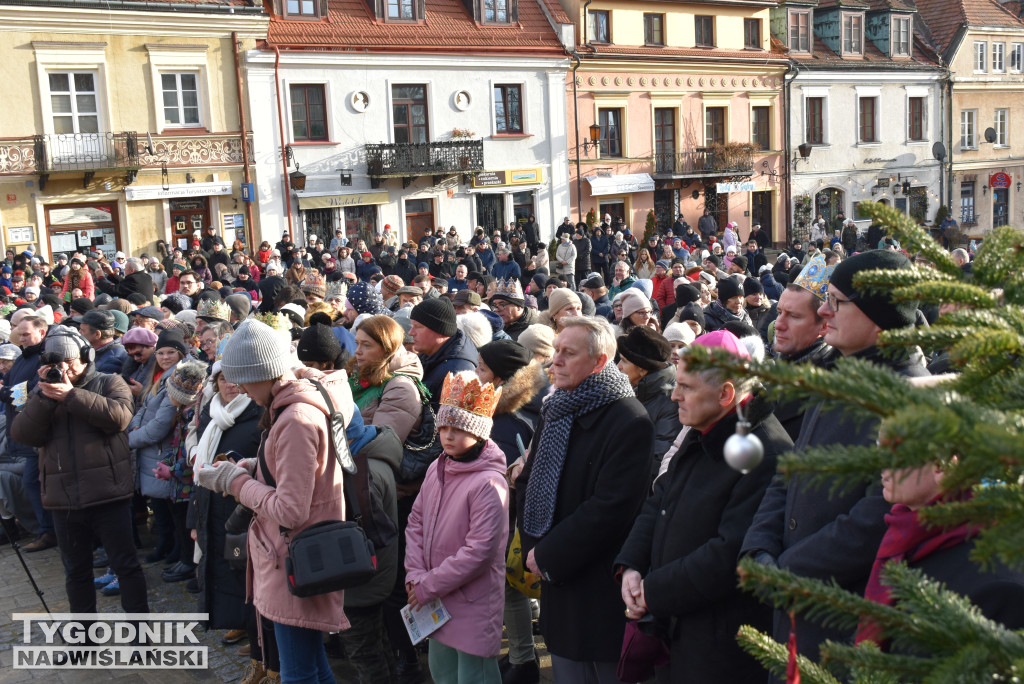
(350, 465)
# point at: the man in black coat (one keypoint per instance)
(583, 247)
(584, 483)
(679, 561)
(801, 527)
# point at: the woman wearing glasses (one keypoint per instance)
(636, 311)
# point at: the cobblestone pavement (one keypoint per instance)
(225, 665)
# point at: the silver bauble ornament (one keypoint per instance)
(743, 452)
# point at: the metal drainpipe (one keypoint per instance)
(786, 130)
(949, 119)
(245, 141)
(586, 41)
(284, 155)
(576, 119)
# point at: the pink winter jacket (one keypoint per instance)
(455, 548)
(309, 490)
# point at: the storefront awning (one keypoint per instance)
(349, 200)
(621, 184)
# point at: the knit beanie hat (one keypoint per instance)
(240, 305)
(436, 314)
(121, 322)
(880, 308)
(390, 285)
(468, 405)
(664, 264)
(740, 261)
(752, 286)
(176, 302)
(82, 305)
(686, 293)
(254, 353)
(364, 298)
(587, 304)
(173, 338)
(505, 357)
(9, 352)
(679, 332)
(562, 297)
(319, 344)
(645, 348)
(712, 258)
(67, 342)
(634, 300)
(729, 288)
(539, 339)
(186, 382)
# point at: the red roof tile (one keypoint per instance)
(556, 11)
(945, 17)
(898, 5)
(448, 26)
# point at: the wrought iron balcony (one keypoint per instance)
(968, 219)
(703, 161)
(89, 152)
(408, 160)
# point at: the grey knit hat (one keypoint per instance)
(254, 353)
(186, 382)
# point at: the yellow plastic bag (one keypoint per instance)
(521, 579)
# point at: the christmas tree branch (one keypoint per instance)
(775, 657)
(913, 238)
(869, 664)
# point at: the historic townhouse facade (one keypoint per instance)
(687, 102)
(866, 94)
(982, 43)
(412, 114)
(124, 123)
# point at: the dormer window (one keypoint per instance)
(402, 10)
(800, 31)
(302, 9)
(901, 36)
(496, 11)
(853, 34)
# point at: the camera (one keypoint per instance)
(52, 359)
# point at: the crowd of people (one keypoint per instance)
(527, 419)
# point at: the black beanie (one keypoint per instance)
(437, 314)
(729, 288)
(752, 286)
(884, 312)
(693, 312)
(505, 357)
(740, 261)
(645, 348)
(319, 344)
(713, 258)
(82, 305)
(173, 338)
(686, 293)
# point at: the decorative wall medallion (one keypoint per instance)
(712, 83)
(604, 80)
(579, 80)
(754, 83)
(679, 81)
(734, 83)
(643, 80)
(689, 81)
(701, 82)
(592, 81)
(360, 100)
(618, 80)
(654, 81)
(744, 83)
(462, 100)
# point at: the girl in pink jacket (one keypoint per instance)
(455, 541)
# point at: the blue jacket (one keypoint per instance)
(24, 370)
(487, 259)
(772, 287)
(365, 270)
(345, 338)
(110, 358)
(506, 269)
(149, 435)
(456, 285)
(599, 246)
(457, 354)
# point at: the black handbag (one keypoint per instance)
(333, 554)
(421, 448)
(236, 537)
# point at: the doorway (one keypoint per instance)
(829, 202)
(318, 223)
(616, 208)
(188, 215)
(717, 205)
(419, 215)
(1000, 207)
(490, 212)
(761, 212)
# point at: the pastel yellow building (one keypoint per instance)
(122, 124)
(686, 97)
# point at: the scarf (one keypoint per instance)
(222, 418)
(559, 412)
(906, 539)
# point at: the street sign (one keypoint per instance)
(745, 186)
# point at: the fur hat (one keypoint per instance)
(186, 382)
(468, 405)
(645, 348)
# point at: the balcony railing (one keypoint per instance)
(702, 161)
(424, 159)
(88, 152)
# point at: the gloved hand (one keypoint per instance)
(162, 471)
(248, 463)
(219, 476)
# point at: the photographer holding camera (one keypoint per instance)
(77, 419)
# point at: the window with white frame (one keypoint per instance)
(799, 31)
(968, 129)
(998, 58)
(901, 36)
(980, 53)
(181, 99)
(1002, 127)
(1016, 57)
(853, 34)
(508, 108)
(73, 101)
(867, 119)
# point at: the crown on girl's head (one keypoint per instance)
(463, 391)
(814, 276)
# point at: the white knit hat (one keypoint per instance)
(254, 353)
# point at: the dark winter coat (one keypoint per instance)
(140, 282)
(406, 270)
(771, 287)
(25, 369)
(604, 481)
(457, 354)
(84, 458)
(599, 250)
(516, 327)
(814, 534)
(366, 269)
(583, 250)
(222, 588)
(685, 544)
(790, 412)
(518, 410)
(532, 233)
(655, 392)
(716, 316)
(110, 358)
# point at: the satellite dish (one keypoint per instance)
(990, 135)
(149, 144)
(939, 151)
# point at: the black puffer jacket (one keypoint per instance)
(84, 458)
(655, 392)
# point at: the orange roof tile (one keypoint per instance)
(448, 26)
(557, 12)
(945, 17)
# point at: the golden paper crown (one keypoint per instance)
(508, 289)
(815, 275)
(214, 308)
(463, 390)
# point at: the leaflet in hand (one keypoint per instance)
(425, 620)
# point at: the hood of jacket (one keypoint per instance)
(406, 363)
(288, 392)
(385, 447)
(522, 388)
(491, 458)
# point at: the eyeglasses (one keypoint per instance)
(645, 314)
(833, 302)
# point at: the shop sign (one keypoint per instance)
(349, 200)
(999, 180)
(81, 214)
(488, 179)
(745, 186)
(151, 192)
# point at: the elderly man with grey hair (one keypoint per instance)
(506, 268)
(962, 258)
(584, 483)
